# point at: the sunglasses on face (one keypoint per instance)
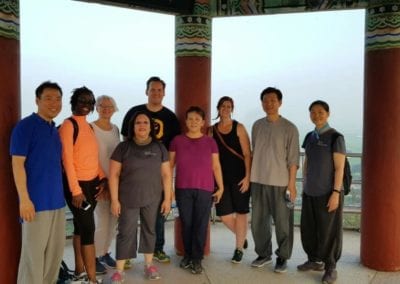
(86, 101)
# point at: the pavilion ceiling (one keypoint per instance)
(216, 8)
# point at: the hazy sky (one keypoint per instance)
(309, 56)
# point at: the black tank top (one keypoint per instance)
(233, 168)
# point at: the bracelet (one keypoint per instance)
(337, 190)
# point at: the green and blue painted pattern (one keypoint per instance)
(193, 36)
(9, 19)
(201, 9)
(383, 25)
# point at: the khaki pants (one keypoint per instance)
(43, 242)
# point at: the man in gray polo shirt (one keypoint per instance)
(275, 142)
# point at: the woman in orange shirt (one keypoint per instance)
(85, 177)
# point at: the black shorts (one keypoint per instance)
(233, 201)
(84, 224)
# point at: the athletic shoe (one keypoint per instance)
(100, 268)
(261, 261)
(151, 272)
(311, 265)
(281, 265)
(79, 278)
(185, 262)
(196, 267)
(237, 256)
(117, 277)
(161, 256)
(330, 276)
(128, 264)
(108, 260)
(98, 281)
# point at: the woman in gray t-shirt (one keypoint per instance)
(139, 172)
(322, 200)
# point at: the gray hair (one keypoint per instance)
(100, 99)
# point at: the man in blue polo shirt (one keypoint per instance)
(35, 148)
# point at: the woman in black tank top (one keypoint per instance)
(234, 152)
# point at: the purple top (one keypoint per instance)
(193, 159)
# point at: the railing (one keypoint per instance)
(353, 199)
(352, 206)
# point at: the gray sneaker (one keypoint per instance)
(311, 265)
(261, 261)
(281, 265)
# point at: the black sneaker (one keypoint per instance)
(100, 269)
(108, 260)
(161, 256)
(311, 265)
(330, 276)
(196, 267)
(237, 256)
(185, 263)
(261, 261)
(281, 265)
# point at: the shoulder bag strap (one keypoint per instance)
(225, 145)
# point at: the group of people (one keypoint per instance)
(109, 185)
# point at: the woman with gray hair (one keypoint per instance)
(107, 135)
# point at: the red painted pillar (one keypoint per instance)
(192, 77)
(192, 64)
(380, 224)
(10, 230)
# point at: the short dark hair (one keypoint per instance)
(270, 90)
(154, 79)
(47, 85)
(323, 104)
(131, 132)
(76, 93)
(222, 100)
(197, 110)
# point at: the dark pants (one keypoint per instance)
(268, 203)
(194, 211)
(128, 228)
(84, 225)
(321, 231)
(160, 231)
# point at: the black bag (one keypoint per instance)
(347, 177)
(65, 274)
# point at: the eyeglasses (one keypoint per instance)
(106, 107)
(86, 102)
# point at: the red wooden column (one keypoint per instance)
(10, 230)
(193, 61)
(192, 77)
(380, 224)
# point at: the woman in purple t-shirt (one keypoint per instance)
(196, 158)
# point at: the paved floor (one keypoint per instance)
(219, 270)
